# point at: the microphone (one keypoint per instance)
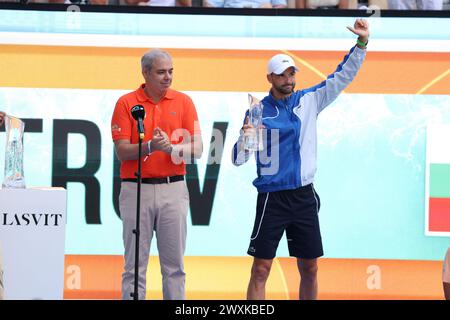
(138, 113)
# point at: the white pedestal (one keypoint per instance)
(32, 237)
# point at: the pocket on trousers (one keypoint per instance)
(186, 192)
(126, 192)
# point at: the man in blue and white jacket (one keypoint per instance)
(287, 200)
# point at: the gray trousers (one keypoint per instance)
(164, 209)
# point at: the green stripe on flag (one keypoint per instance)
(439, 180)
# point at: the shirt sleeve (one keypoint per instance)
(120, 122)
(328, 90)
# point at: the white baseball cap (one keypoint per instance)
(279, 63)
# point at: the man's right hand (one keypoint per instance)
(248, 128)
(160, 141)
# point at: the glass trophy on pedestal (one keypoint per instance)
(253, 141)
(14, 178)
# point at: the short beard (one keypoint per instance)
(284, 90)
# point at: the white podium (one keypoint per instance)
(32, 238)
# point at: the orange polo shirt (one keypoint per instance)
(173, 112)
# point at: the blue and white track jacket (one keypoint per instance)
(289, 157)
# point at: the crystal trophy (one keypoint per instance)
(253, 140)
(14, 128)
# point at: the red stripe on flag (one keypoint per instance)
(439, 215)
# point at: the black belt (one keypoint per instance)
(156, 180)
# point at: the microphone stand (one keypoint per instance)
(136, 231)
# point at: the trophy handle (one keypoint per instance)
(252, 100)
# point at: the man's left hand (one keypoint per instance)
(361, 28)
(161, 141)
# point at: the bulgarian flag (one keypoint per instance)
(437, 188)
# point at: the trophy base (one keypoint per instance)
(14, 184)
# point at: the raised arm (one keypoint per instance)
(328, 90)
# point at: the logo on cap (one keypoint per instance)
(279, 63)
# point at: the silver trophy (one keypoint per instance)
(253, 141)
(14, 178)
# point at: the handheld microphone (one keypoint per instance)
(138, 113)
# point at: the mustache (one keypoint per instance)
(289, 87)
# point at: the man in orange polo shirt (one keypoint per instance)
(172, 137)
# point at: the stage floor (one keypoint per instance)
(224, 278)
